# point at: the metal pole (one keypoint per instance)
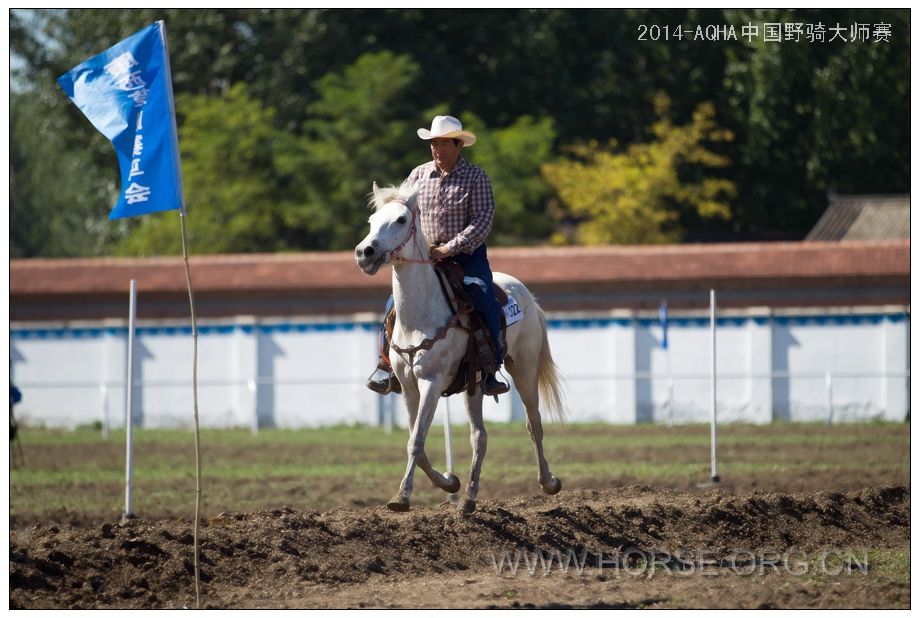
(712, 331)
(129, 392)
(829, 389)
(387, 408)
(252, 387)
(453, 498)
(104, 396)
(447, 448)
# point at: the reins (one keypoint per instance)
(453, 321)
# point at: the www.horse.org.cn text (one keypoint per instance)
(769, 32)
(635, 562)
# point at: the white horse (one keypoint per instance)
(421, 310)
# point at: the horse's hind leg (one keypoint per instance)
(525, 381)
(478, 438)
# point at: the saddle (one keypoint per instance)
(480, 349)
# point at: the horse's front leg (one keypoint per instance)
(478, 438)
(424, 399)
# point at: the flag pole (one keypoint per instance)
(109, 88)
(191, 302)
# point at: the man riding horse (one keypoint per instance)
(456, 202)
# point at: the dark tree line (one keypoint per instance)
(286, 116)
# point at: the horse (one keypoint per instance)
(422, 311)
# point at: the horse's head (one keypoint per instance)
(393, 225)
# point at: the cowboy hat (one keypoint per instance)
(447, 127)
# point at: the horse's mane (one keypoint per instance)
(406, 193)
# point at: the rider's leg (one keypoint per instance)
(476, 267)
(382, 380)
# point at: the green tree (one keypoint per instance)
(512, 157)
(810, 117)
(360, 130)
(634, 195)
(74, 205)
(233, 180)
(807, 117)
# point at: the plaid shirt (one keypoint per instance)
(456, 207)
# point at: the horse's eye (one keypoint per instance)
(401, 220)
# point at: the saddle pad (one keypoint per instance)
(513, 311)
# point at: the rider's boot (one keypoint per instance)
(491, 386)
(486, 348)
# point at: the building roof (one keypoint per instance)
(863, 217)
(564, 278)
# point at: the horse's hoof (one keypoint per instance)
(467, 506)
(398, 504)
(553, 488)
(454, 486)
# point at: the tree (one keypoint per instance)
(634, 195)
(359, 130)
(341, 92)
(810, 117)
(233, 180)
(512, 157)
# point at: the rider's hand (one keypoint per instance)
(438, 253)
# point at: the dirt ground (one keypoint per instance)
(640, 546)
(818, 531)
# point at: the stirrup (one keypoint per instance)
(381, 381)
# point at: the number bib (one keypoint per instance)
(513, 311)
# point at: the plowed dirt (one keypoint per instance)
(640, 547)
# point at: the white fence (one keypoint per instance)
(797, 366)
(818, 398)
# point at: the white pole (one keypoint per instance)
(104, 396)
(453, 498)
(447, 448)
(712, 331)
(829, 390)
(129, 391)
(388, 413)
(254, 396)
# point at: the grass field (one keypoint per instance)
(79, 476)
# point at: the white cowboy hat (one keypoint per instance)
(447, 127)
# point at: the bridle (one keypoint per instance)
(390, 256)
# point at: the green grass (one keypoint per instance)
(890, 565)
(79, 471)
(589, 434)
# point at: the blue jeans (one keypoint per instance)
(474, 265)
(477, 265)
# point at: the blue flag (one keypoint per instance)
(126, 92)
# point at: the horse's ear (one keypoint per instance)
(409, 189)
(374, 197)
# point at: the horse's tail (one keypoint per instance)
(548, 378)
